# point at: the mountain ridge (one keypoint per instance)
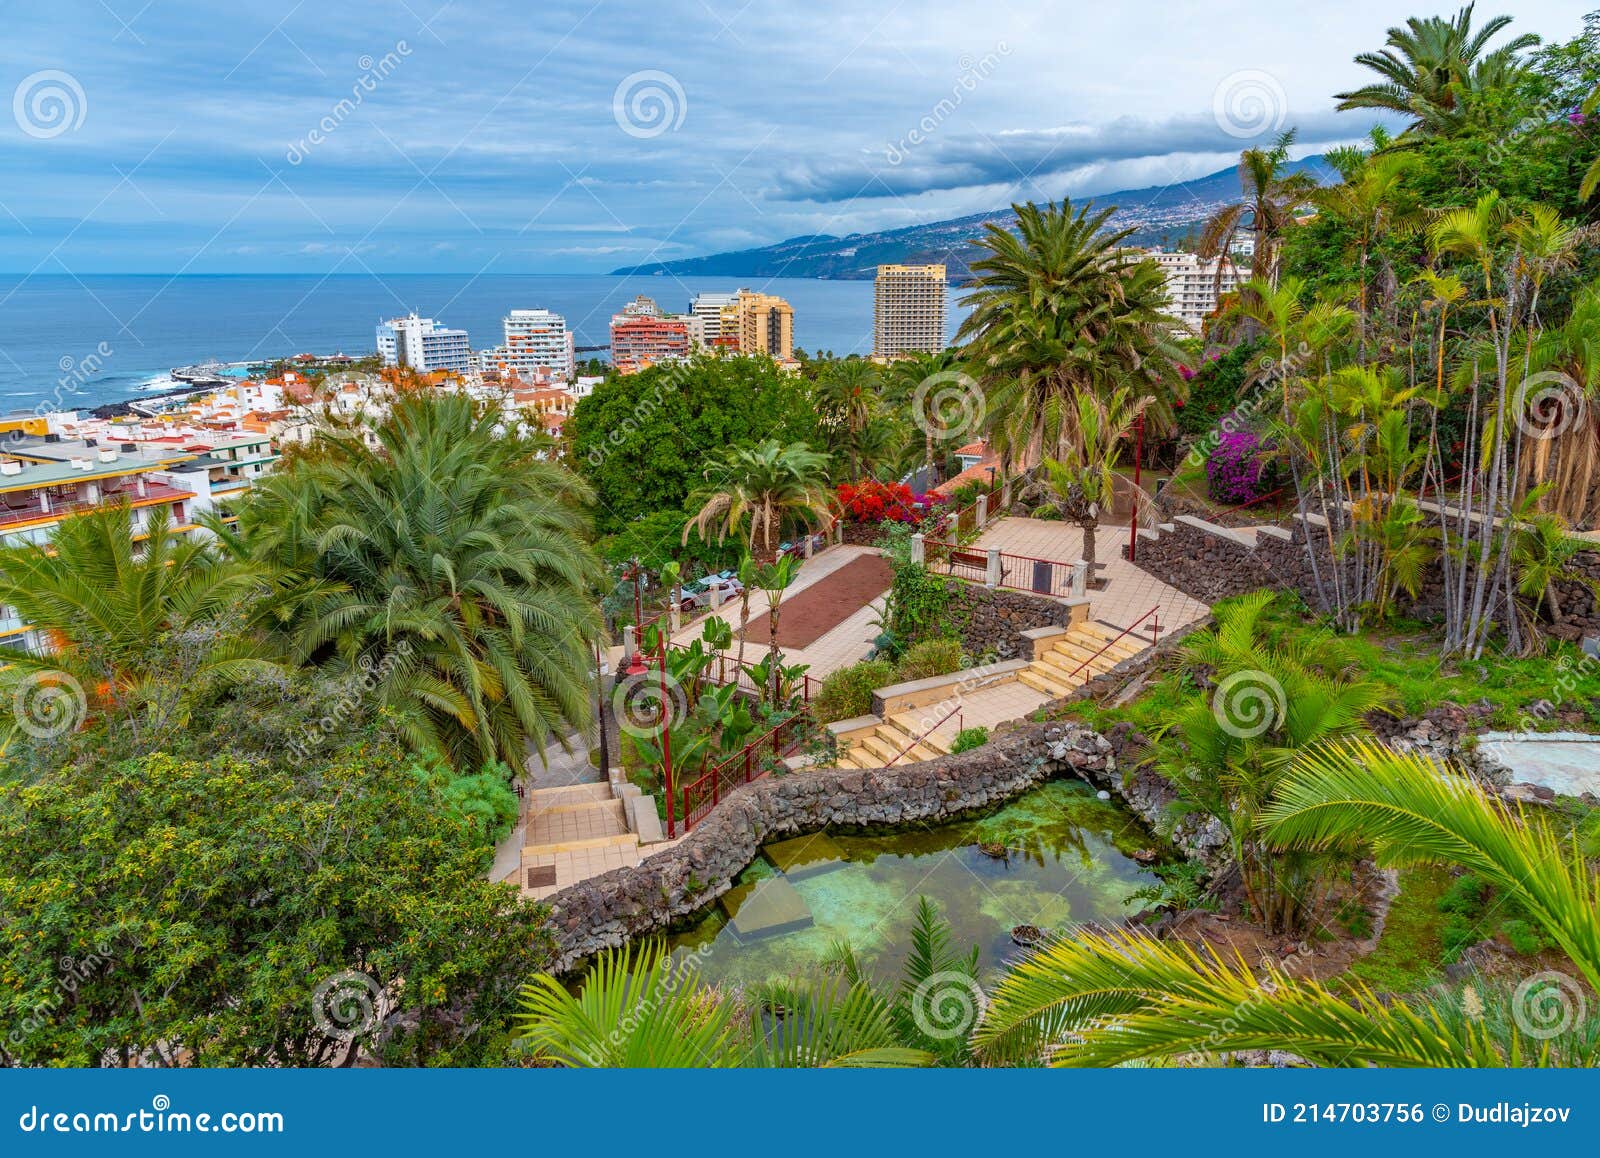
(1159, 215)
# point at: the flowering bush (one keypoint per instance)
(1238, 470)
(875, 502)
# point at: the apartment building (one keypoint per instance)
(708, 308)
(639, 340)
(423, 345)
(1192, 284)
(758, 323)
(908, 314)
(538, 346)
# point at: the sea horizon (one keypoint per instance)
(81, 341)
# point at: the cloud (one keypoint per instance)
(921, 162)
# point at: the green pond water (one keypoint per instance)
(1069, 862)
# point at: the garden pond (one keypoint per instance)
(1068, 857)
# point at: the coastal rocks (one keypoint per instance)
(609, 910)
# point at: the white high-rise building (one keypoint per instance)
(708, 308)
(908, 310)
(538, 340)
(423, 345)
(1192, 286)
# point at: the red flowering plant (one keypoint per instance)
(875, 502)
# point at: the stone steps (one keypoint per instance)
(911, 724)
(570, 794)
(1071, 660)
(1053, 688)
(567, 822)
(620, 840)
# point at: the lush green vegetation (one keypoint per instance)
(232, 900)
(260, 765)
(642, 441)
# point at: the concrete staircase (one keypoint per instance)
(892, 737)
(1063, 661)
(573, 833)
(1073, 659)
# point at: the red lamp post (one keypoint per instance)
(1138, 453)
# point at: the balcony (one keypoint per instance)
(31, 510)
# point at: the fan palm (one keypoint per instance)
(1101, 999)
(758, 488)
(1568, 357)
(140, 627)
(1061, 309)
(456, 552)
(1430, 65)
(1270, 196)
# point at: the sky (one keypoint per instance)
(418, 136)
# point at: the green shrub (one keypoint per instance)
(969, 738)
(1355, 918)
(1459, 933)
(931, 657)
(918, 606)
(1466, 896)
(848, 692)
(1523, 937)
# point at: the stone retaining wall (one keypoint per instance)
(992, 620)
(1211, 562)
(608, 911)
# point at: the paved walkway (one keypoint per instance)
(844, 645)
(1130, 591)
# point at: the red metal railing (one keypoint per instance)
(926, 732)
(1155, 637)
(705, 792)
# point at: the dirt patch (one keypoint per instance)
(1321, 957)
(809, 614)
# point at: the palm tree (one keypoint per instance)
(758, 488)
(1542, 553)
(1268, 701)
(1375, 203)
(460, 576)
(847, 396)
(901, 382)
(1430, 66)
(1103, 999)
(639, 1008)
(141, 628)
(1571, 352)
(774, 578)
(1060, 310)
(1085, 488)
(1271, 195)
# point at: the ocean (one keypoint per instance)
(78, 342)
